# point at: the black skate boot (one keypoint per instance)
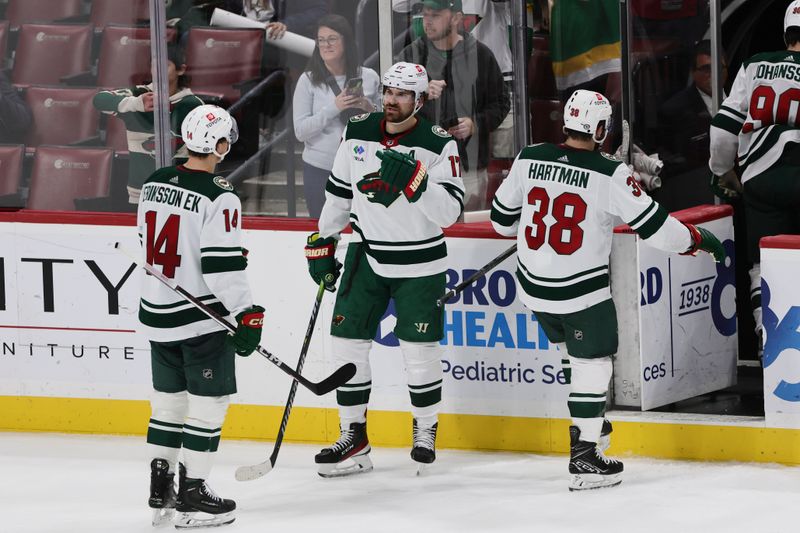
(162, 492)
(589, 468)
(347, 456)
(198, 505)
(605, 435)
(424, 450)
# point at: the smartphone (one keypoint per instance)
(354, 87)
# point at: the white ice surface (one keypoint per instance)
(91, 484)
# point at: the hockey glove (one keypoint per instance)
(404, 173)
(248, 330)
(727, 186)
(702, 239)
(322, 265)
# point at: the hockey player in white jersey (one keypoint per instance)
(189, 222)
(396, 179)
(560, 202)
(757, 126)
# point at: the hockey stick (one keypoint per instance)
(452, 293)
(249, 473)
(341, 376)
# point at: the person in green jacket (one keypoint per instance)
(134, 106)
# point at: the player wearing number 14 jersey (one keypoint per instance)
(189, 225)
(757, 126)
(560, 201)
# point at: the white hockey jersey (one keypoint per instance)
(190, 227)
(561, 202)
(401, 239)
(758, 121)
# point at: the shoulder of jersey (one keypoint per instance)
(773, 57)
(428, 135)
(364, 126)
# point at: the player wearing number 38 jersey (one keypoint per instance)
(560, 201)
(190, 227)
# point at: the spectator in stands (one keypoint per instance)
(134, 106)
(683, 142)
(466, 94)
(325, 99)
(15, 116)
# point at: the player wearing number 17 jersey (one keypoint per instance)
(757, 126)
(560, 201)
(189, 224)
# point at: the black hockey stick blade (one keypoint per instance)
(342, 375)
(452, 293)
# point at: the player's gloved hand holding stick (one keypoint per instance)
(404, 173)
(702, 239)
(248, 330)
(341, 376)
(322, 265)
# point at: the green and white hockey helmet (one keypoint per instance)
(205, 126)
(408, 77)
(585, 111)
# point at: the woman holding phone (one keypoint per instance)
(331, 90)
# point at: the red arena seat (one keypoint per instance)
(218, 59)
(62, 174)
(11, 156)
(21, 12)
(48, 52)
(547, 121)
(105, 12)
(61, 115)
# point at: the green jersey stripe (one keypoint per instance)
(224, 249)
(592, 272)
(337, 181)
(426, 399)
(200, 444)
(653, 224)
(349, 399)
(586, 409)
(503, 219)
(182, 303)
(179, 427)
(215, 265)
(399, 244)
(336, 190)
(178, 318)
(644, 214)
(202, 430)
(727, 123)
(734, 112)
(506, 210)
(168, 439)
(560, 294)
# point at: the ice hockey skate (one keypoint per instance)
(162, 492)
(198, 506)
(424, 449)
(588, 467)
(347, 456)
(605, 435)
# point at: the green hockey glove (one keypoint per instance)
(248, 330)
(702, 239)
(725, 187)
(322, 265)
(404, 173)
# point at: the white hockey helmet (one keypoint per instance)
(205, 126)
(585, 111)
(408, 77)
(792, 16)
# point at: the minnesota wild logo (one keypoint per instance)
(378, 191)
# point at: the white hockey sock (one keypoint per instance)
(755, 294)
(424, 367)
(165, 430)
(588, 396)
(201, 432)
(353, 397)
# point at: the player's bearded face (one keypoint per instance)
(398, 104)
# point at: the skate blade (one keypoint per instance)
(163, 517)
(198, 520)
(422, 468)
(593, 481)
(359, 464)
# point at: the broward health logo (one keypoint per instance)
(782, 336)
